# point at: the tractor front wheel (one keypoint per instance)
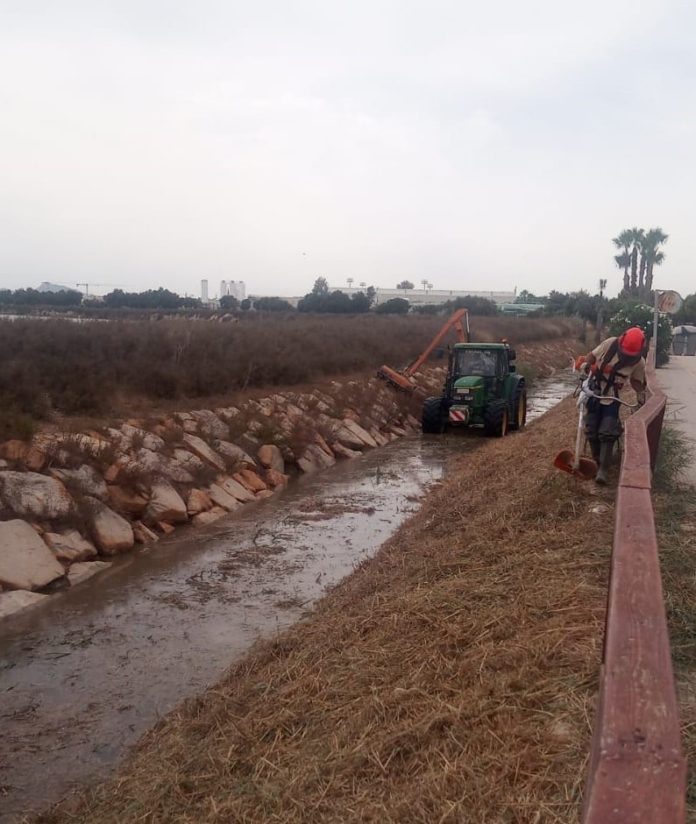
(433, 417)
(496, 419)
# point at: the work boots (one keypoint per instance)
(595, 449)
(606, 449)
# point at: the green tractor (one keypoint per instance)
(482, 389)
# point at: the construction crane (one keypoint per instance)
(403, 380)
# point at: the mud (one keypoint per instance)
(84, 675)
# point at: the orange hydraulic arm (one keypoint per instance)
(401, 380)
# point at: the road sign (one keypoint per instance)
(669, 302)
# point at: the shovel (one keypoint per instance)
(574, 464)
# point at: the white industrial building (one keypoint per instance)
(235, 288)
(427, 296)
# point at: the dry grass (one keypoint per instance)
(56, 366)
(450, 679)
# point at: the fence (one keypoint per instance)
(637, 770)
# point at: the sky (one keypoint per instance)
(477, 145)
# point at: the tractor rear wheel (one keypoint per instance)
(433, 417)
(496, 419)
(519, 409)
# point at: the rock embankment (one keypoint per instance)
(69, 501)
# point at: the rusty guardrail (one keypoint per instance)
(637, 770)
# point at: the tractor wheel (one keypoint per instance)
(433, 417)
(519, 409)
(496, 419)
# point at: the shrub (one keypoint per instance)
(641, 315)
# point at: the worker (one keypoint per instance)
(609, 366)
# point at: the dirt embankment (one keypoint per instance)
(450, 679)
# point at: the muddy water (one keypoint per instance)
(83, 676)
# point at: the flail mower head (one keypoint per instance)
(583, 468)
(396, 379)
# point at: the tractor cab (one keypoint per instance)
(482, 389)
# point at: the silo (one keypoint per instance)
(204, 291)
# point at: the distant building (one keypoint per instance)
(424, 297)
(204, 291)
(54, 287)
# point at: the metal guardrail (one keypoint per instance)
(637, 770)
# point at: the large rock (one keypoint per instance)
(70, 546)
(314, 458)
(112, 533)
(208, 517)
(275, 479)
(85, 480)
(221, 498)
(271, 457)
(237, 490)
(234, 453)
(34, 496)
(142, 438)
(143, 534)
(17, 600)
(209, 424)
(14, 450)
(127, 501)
(200, 448)
(359, 432)
(165, 505)
(344, 452)
(25, 560)
(198, 501)
(82, 571)
(249, 479)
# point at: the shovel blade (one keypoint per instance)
(565, 461)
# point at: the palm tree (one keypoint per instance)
(623, 242)
(653, 256)
(636, 240)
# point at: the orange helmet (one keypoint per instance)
(632, 342)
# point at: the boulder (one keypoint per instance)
(198, 501)
(17, 600)
(35, 496)
(165, 505)
(84, 570)
(314, 458)
(69, 546)
(210, 425)
(14, 450)
(222, 498)
(35, 459)
(320, 440)
(143, 534)
(275, 479)
(127, 501)
(85, 480)
(237, 490)
(165, 528)
(146, 439)
(112, 533)
(147, 462)
(25, 560)
(344, 451)
(359, 432)
(208, 517)
(201, 449)
(380, 439)
(249, 479)
(190, 462)
(264, 493)
(234, 453)
(271, 457)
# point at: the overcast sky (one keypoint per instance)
(479, 145)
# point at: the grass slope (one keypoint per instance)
(450, 679)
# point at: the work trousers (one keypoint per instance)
(602, 421)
